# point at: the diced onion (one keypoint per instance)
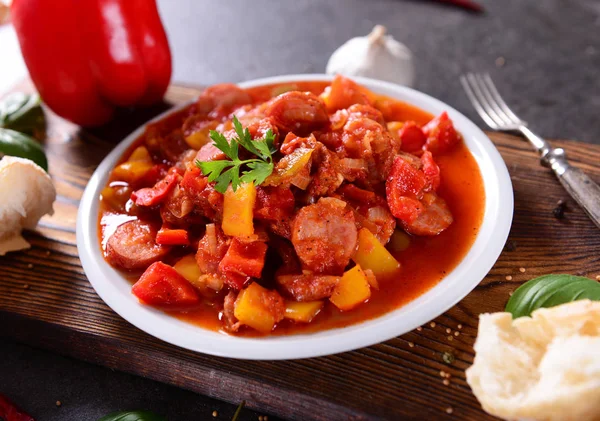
(378, 213)
(353, 163)
(211, 235)
(301, 180)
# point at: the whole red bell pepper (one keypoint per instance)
(9, 412)
(86, 58)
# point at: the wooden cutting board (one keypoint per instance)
(46, 300)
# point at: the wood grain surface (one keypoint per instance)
(46, 301)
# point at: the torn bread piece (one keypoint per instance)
(544, 368)
(26, 194)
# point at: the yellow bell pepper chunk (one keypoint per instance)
(238, 211)
(371, 254)
(188, 268)
(116, 197)
(200, 137)
(399, 241)
(140, 154)
(352, 290)
(289, 166)
(131, 171)
(251, 308)
(302, 311)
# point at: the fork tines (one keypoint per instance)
(488, 103)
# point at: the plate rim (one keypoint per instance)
(436, 301)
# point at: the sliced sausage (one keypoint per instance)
(324, 236)
(307, 287)
(298, 112)
(231, 322)
(133, 246)
(433, 219)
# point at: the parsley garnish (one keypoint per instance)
(228, 171)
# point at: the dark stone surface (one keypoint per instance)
(551, 48)
(551, 77)
(35, 380)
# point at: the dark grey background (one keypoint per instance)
(551, 50)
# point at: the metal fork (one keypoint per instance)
(493, 110)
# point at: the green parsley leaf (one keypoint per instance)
(226, 172)
(258, 173)
(213, 169)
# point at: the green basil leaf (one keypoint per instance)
(550, 291)
(13, 143)
(133, 416)
(23, 113)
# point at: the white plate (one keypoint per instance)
(116, 290)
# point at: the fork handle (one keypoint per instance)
(581, 187)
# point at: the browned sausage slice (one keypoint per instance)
(307, 287)
(434, 219)
(298, 112)
(133, 246)
(324, 236)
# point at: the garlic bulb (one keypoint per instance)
(377, 56)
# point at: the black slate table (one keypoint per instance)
(544, 56)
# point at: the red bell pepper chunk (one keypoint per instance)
(150, 196)
(87, 58)
(403, 188)
(412, 137)
(172, 237)
(10, 412)
(161, 285)
(431, 170)
(194, 182)
(441, 134)
(243, 260)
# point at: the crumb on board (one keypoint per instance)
(432, 324)
(410, 344)
(508, 278)
(448, 330)
(522, 270)
(30, 265)
(448, 358)
(456, 333)
(58, 403)
(460, 326)
(446, 382)
(449, 410)
(442, 373)
(450, 338)
(25, 286)
(215, 414)
(419, 329)
(47, 252)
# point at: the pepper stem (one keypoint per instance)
(377, 34)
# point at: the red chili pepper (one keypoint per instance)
(9, 412)
(465, 4)
(172, 237)
(87, 58)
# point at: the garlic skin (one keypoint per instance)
(377, 56)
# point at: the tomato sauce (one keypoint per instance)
(425, 262)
